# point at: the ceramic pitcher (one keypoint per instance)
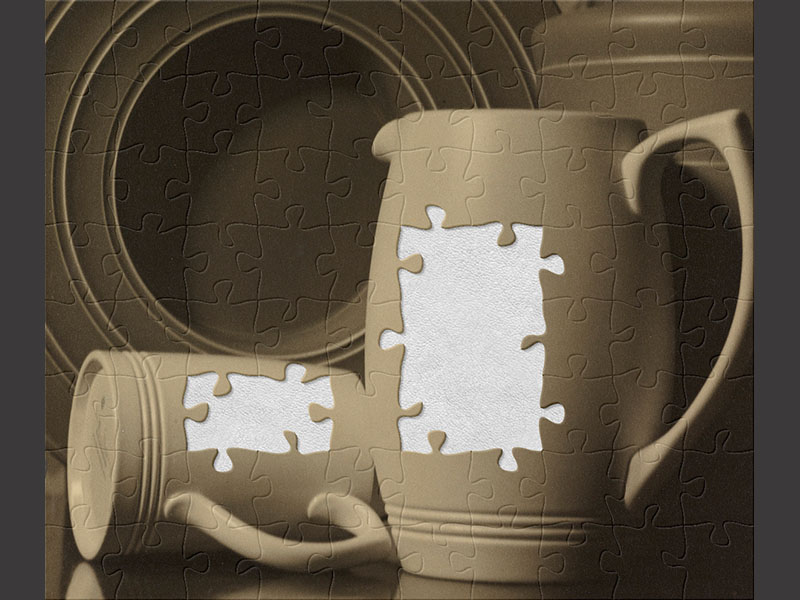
(515, 482)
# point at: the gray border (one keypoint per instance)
(776, 290)
(23, 299)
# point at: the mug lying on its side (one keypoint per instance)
(133, 483)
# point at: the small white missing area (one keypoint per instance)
(256, 412)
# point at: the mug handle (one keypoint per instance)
(729, 131)
(371, 540)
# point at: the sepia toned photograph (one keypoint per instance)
(399, 299)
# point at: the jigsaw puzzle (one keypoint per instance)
(399, 299)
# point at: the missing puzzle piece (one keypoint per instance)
(259, 413)
(462, 288)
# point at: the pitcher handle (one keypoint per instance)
(371, 540)
(730, 132)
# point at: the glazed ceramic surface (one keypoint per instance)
(610, 342)
(135, 487)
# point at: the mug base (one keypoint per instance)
(511, 555)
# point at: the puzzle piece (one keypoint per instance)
(646, 545)
(715, 559)
(718, 469)
(300, 257)
(423, 540)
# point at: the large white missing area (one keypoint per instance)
(464, 317)
(256, 412)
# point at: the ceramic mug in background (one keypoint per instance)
(133, 485)
(589, 189)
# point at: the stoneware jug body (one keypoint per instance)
(586, 188)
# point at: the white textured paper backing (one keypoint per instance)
(256, 412)
(464, 317)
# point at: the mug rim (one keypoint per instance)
(566, 127)
(526, 112)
